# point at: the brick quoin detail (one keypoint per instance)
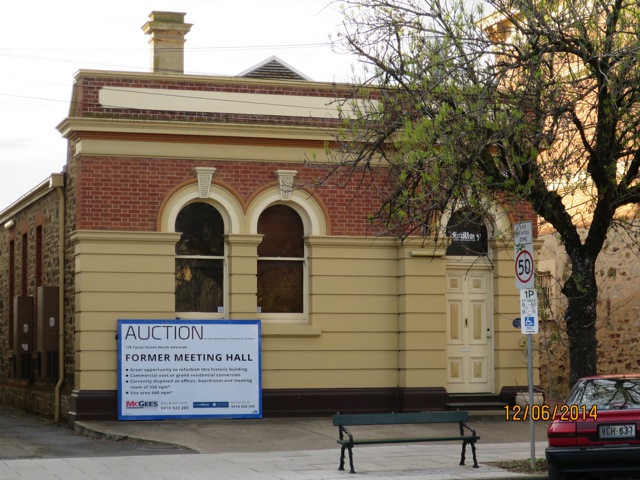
(117, 193)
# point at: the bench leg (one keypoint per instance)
(351, 461)
(341, 467)
(464, 452)
(473, 451)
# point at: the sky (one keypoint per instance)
(44, 43)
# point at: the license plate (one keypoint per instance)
(618, 431)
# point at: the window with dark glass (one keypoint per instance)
(39, 257)
(281, 261)
(468, 234)
(24, 265)
(545, 283)
(200, 259)
(12, 286)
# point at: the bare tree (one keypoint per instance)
(520, 101)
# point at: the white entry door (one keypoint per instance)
(469, 330)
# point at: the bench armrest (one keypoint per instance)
(344, 431)
(463, 425)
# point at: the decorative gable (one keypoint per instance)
(274, 68)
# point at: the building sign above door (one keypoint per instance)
(468, 234)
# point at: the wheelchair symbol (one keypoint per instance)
(529, 321)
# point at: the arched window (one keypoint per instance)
(468, 234)
(281, 266)
(200, 259)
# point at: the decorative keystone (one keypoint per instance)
(285, 178)
(205, 174)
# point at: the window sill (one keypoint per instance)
(200, 316)
(289, 330)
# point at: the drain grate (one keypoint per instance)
(17, 458)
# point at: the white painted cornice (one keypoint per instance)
(71, 125)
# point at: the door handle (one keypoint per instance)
(466, 323)
(488, 333)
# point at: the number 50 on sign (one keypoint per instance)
(524, 269)
(523, 249)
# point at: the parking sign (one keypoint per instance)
(529, 311)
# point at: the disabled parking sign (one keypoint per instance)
(529, 311)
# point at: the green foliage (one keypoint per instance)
(537, 102)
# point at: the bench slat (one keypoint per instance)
(371, 441)
(399, 418)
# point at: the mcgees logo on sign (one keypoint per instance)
(142, 404)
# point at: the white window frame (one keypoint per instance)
(298, 317)
(231, 212)
(313, 220)
(218, 315)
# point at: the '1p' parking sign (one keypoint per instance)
(529, 311)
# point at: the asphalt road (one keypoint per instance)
(27, 435)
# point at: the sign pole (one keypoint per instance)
(525, 282)
(532, 430)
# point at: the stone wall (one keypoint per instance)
(618, 324)
(33, 392)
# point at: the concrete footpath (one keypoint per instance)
(283, 449)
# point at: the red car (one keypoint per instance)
(597, 430)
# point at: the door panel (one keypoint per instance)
(469, 347)
(454, 370)
(478, 322)
(455, 322)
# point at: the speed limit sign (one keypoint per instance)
(523, 245)
(524, 269)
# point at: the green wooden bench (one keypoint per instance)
(347, 440)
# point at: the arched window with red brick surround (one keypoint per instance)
(200, 255)
(281, 261)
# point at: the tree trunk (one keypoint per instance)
(581, 291)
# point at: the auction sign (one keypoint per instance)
(173, 369)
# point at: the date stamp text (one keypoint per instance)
(545, 413)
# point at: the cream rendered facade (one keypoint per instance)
(379, 317)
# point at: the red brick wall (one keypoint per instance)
(88, 104)
(115, 193)
(126, 193)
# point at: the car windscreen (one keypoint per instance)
(606, 393)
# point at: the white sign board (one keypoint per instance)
(523, 233)
(523, 251)
(528, 311)
(189, 369)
